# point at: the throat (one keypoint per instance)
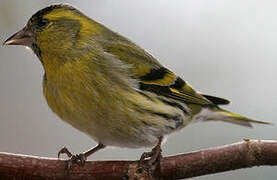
(52, 65)
(37, 51)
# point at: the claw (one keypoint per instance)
(145, 155)
(152, 166)
(82, 159)
(155, 155)
(68, 166)
(64, 150)
(79, 159)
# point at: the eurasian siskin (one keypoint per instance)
(110, 88)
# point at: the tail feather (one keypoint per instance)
(237, 119)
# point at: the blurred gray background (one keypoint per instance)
(222, 47)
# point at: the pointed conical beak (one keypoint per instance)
(23, 37)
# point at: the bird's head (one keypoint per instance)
(54, 31)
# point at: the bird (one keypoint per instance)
(110, 88)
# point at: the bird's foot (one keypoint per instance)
(79, 159)
(154, 156)
(149, 164)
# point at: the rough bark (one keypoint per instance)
(245, 154)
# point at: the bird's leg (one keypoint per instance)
(155, 155)
(79, 158)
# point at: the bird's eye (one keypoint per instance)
(42, 22)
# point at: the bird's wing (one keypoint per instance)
(217, 100)
(154, 77)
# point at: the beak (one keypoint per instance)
(23, 37)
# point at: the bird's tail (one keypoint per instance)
(227, 116)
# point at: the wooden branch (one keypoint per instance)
(247, 153)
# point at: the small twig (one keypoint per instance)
(247, 153)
